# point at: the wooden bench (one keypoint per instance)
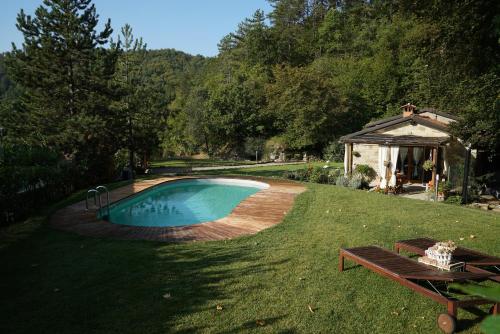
(419, 277)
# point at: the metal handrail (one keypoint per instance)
(98, 189)
(95, 192)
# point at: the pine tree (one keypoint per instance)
(65, 73)
(129, 76)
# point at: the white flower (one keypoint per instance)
(325, 166)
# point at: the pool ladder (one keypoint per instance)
(97, 192)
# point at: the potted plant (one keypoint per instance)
(428, 165)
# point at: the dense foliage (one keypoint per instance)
(319, 69)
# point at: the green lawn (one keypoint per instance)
(56, 282)
(199, 163)
(270, 171)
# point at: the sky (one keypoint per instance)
(192, 26)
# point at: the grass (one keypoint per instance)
(199, 163)
(269, 171)
(59, 282)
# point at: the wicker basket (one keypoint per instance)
(441, 258)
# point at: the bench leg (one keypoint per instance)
(341, 262)
(396, 248)
(495, 309)
(452, 308)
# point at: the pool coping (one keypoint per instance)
(257, 212)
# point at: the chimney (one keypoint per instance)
(408, 109)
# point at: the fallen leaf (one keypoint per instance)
(301, 278)
(461, 239)
(364, 226)
(219, 307)
(340, 209)
(260, 322)
(472, 236)
(310, 308)
(167, 296)
(394, 313)
(327, 211)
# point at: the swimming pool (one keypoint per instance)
(183, 202)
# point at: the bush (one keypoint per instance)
(456, 200)
(319, 175)
(356, 182)
(368, 173)
(342, 181)
(31, 177)
(333, 174)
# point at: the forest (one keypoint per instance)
(83, 103)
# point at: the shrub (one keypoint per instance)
(302, 174)
(355, 182)
(342, 181)
(368, 173)
(333, 174)
(456, 200)
(31, 177)
(319, 175)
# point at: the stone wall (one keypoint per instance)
(368, 155)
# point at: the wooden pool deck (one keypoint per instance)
(257, 212)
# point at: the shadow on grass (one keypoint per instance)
(260, 323)
(59, 282)
(465, 324)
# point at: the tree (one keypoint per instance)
(232, 117)
(129, 76)
(65, 75)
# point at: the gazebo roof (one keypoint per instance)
(370, 134)
(385, 139)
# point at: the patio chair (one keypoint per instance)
(426, 280)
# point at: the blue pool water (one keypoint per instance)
(183, 202)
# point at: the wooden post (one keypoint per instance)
(341, 261)
(452, 308)
(434, 163)
(349, 158)
(496, 308)
(465, 184)
(410, 164)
